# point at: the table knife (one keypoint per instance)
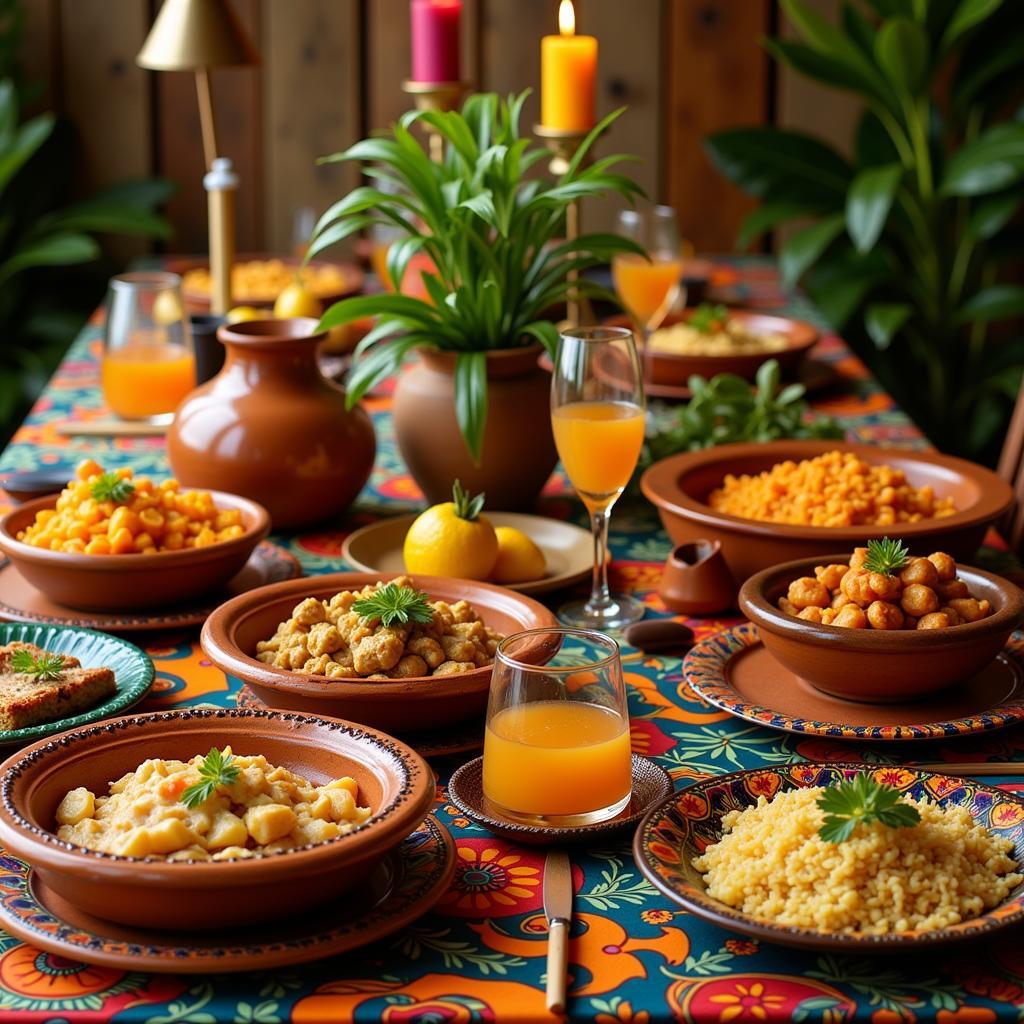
(558, 910)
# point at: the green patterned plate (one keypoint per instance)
(133, 672)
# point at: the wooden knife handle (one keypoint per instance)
(558, 963)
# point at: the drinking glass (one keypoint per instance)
(649, 288)
(148, 364)
(556, 747)
(597, 415)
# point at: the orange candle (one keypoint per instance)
(568, 65)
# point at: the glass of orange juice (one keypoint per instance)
(597, 414)
(556, 747)
(148, 363)
(649, 287)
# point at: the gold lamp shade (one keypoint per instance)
(192, 34)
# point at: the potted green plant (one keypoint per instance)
(910, 247)
(475, 405)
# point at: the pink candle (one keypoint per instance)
(435, 40)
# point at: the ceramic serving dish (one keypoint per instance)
(679, 486)
(405, 706)
(666, 368)
(879, 665)
(689, 821)
(393, 780)
(126, 583)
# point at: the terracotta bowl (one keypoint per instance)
(126, 583)
(393, 780)
(880, 666)
(680, 484)
(676, 370)
(418, 704)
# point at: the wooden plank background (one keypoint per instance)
(331, 71)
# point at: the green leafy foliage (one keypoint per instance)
(466, 505)
(886, 556)
(862, 800)
(392, 603)
(907, 248)
(42, 666)
(216, 770)
(491, 231)
(708, 318)
(111, 487)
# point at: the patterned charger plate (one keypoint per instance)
(689, 821)
(735, 672)
(405, 885)
(21, 602)
(132, 668)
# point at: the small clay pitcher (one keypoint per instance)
(696, 580)
(271, 428)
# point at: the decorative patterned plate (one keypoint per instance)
(651, 783)
(460, 739)
(133, 673)
(689, 821)
(735, 672)
(406, 884)
(21, 602)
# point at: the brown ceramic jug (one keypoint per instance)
(518, 450)
(271, 428)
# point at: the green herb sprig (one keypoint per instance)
(111, 487)
(43, 666)
(862, 799)
(466, 506)
(708, 318)
(886, 556)
(393, 603)
(216, 770)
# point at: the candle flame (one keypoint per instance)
(566, 18)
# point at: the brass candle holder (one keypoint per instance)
(442, 96)
(563, 145)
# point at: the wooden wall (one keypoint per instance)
(331, 72)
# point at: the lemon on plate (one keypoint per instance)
(452, 539)
(243, 314)
(297, 300)
(519, 559)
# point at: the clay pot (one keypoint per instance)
(270, 427)
(696, 580)
(518, 450)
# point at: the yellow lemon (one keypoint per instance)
(167, 308)
(297, 300)
(519, 558)
(452, 539)
(242, 314)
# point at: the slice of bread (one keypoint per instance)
(26, 700)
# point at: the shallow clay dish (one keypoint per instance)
(568, 549)
(679, 486)
(689, 821)
(21, 602)
(393, 780)
(405, 706)
(402, 886)
(734, 671)
(880, 665)
(651, 784)
(132, 668)
(126, 583)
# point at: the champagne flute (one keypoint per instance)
(597, 415)
(649, 287)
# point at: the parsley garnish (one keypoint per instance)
(393, 603)
(44, 666)
(707, 318)
(885, 556)
(111, 487)
(216, 770)
(862, 799)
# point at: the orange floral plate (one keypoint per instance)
(681, 827)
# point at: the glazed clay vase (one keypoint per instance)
(518, 450)
(271, 428)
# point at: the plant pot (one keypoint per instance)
(518, 452)
(271, 428)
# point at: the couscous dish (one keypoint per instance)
(834, 489)
(264, 280)
(772, 863)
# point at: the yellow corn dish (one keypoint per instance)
(264, 280)
(265, 810)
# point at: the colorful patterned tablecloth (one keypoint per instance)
(480, 955)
